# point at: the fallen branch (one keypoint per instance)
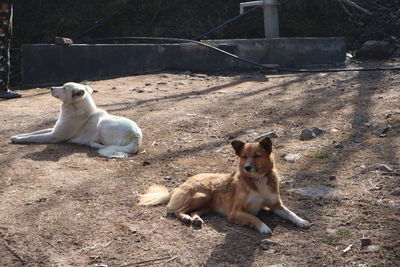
(146, 261)
(345, 9)
(351, 3)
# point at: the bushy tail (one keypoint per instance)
(156, 194)
(119, 151)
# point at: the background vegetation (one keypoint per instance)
(39, 21)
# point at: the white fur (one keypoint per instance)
(81, 122)
(287, 214)
(264, 229)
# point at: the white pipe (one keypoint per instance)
(258, 3)
(247, 4)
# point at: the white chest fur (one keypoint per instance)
(256, 200)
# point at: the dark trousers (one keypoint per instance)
(5, 40)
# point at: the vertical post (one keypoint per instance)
(271, 19)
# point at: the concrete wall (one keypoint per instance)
(47, 63)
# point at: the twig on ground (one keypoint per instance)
(171, 259)
(146, 261)
(14, 253)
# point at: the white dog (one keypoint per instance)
(81, 122)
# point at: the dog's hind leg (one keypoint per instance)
(196, 202)
(196, 220)
(96, 145)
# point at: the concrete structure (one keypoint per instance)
(271, 18)
(47, 63)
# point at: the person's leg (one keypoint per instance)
(6, 14)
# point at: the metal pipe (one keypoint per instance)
(247, 4)
(271, 21)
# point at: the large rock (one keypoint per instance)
(310, 133)
(315, 191)
(374, 50)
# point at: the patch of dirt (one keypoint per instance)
(63, 205)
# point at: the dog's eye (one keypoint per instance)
(256, 156)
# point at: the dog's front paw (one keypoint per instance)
(265, 230)
(14, 139)
(303, 224)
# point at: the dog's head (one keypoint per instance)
(255, 158)
(71, 92)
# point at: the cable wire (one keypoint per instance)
(180, 40)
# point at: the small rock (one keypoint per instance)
(140, 91)
(310, 133)
(146, 163)
(63, 41)
(266, 244)
(43, 199)
(365, 241)
(167, 177)
(161, 83)
(331, 231)
(332, 177)
(385, 168)
(292, 157)
(182, 83)
(370, 248)
(27, 202)
(339, 146)
(269, 134)
(381, 132)
(147, 84)
(113, 88)
(249, 131)
(132, 230)
(396, 191)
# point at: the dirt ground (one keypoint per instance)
(63, 205)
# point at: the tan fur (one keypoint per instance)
(239, 196)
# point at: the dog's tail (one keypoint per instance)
(156, 194)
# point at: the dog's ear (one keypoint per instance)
(88, 89)
(266, 143)
(77, 93)
(237, 146)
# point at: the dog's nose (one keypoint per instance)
(247, 168)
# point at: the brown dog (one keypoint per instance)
(240, 195)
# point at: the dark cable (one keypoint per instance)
(95, 26)
(224, 24)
